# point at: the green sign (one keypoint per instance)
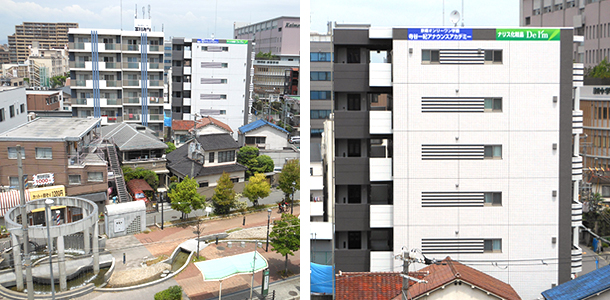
(265, 285)
(527, 34)
(237, 41)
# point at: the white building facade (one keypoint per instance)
(462, 142)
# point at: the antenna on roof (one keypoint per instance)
(148, 11)
(462, 13)
(136, 12)
(143, 12)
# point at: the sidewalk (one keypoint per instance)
(286, 290)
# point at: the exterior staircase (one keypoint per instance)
(115, 167)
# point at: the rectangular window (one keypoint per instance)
(44, 153)
(213, 81)
(430, 56)
(14, 181)
(319, 76)
(74, 179)
(354, 240)
(211, 157)
(223, 112)
(493, 104)
(2, 117)
(319, 114)
(353, 148)
(493, 152)
(11, 110)
(12, 153)
(95, 177)
(316, 132)
(353, 55)
(319, 95)
(226, 156)
(203, 184)
(214, 65)
(492, 245)
(493, 56)
(22, 108)
(493, 198)
(255, 140)
(212, 97)
(235, 180)
(353, 101)
(320, 57)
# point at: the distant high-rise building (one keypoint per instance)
(117, 75)
(280, 35)
(48, 35)
(4, 55)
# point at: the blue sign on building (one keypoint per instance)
(440, 34)
(208, 41)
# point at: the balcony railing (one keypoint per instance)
(155, 83)
(576, 167)
(576, 259)
(154, 100)
(77, 64)
(155, 117)
(109, 46)
(115, 119)
(82, 82)
(576, 214)
(131, 65)
(113, 65)
(132, 117)
(131, 100)
(114, 101)
(79, 101)
(113, 83)
(153, 48)
(131, 82)
(155, 66)
(131, 47)
(76, 46)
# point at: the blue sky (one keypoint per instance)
(180, 18)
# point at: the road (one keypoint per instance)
(170, 214)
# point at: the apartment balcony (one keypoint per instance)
(131, 66)
(186, 101)
(186, 70)
(111, 47)
(187, 54)
(353, 260)
(351, 170)
(112, 83)
(576, 259)
(381, 261)
(155, 100)
(155, 117)
(82, 102)
(578, 74)
(186, 86)
(135, 83)
(352, 217)
(88, 84)
(576, 214)
(77, 65)
(577, 122)
(380, 122)
(155, 66)
(351, 77)
(155, 83)
(135, 48)
(316, 208)
(380, 169)
(380, 75)
(155, 48)
(111, 120)
(111, 102)
(88, 102)
(132, 117)
(110, 66)
(79, 46)
(381, 216)
(576, 167)
(132, 101)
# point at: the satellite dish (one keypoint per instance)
(454, 17)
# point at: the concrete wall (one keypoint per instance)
(127, 218)
(14, 97)
(274, 139)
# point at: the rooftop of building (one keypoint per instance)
(184, 125)
(582, 287)
(39, 92)
(87, 31)
(10, 88)
(128, 137)
(238, 25)
(51, 130)
(258, 124)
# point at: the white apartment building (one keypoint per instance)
(118, 76)
(457, 142)
(212, 77)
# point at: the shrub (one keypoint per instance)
(172, 293)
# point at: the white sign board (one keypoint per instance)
(119, 225)
(208, 210)
(44, 179)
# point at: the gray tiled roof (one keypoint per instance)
(213, 142)
(127, 137)
(178, 162)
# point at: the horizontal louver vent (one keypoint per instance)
(452, 199)
(214, 49)
(452, 246)
(208, 64)
(452, 105)
(462, 56)
(211, 81)
(211, 97)
(452, 152)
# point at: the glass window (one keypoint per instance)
(430, 56)
(319, 95)
(319, 114)
(12, 153)
(493, 104)
(44, 153)
(494, 198)
(74, 179)
(492, 245)
(11, 110)
(95, 176)
(2, 117)
(211, 157)
(320, 76)
(22, 108)
(203, 184)
(494, 151)
(14, 181)
(226, 156)
(493, 56)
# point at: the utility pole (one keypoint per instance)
(24, 222)
(407, 258)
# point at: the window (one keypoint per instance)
(74, 179)
(493, 104)
(493, 152)
(211, 157)
(528, 21)
(430, 56)
(235, 180)
(316, 132)
(320, 56)
(319, 114)
(225, 156)
(22, 108)
(492, 245)
(11, 110)
(353, 55)
(605, 190)
(2, 117)
(353, 101)
(493, 56)
(320, 76)
(319, 95)
(223, 112)
(13, 181)
(353, 148)
(44, 153)
(12, 153)
(255, 140)
(95, 177)
(203, 184)
(354, 240)
(354, 194)
(493, 198)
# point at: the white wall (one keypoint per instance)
(463, 291)
(526, 175)
(15, 97)
(211, 179)
(275, 139)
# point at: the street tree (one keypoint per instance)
(224, 195)
(246, 154)
(263, 164)
(285, 237)
(249, 157)
(257, 188)
(289, 180)
(184, 197)
(139, 173)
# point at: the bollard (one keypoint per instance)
(216, 240)
(123, 257)
(244, 223)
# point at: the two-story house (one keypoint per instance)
(182, 130)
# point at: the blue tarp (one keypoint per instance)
(321, 278)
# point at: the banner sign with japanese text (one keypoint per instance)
(440, 34)
(237, 41)
(522, 34)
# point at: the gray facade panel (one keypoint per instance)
(176, 86)
(399, 33)
(565, 158)
(352, 217)
(351, 77)
(351, 124)
(177, 71)
(352, 170)
(351, 37)
(352, 260)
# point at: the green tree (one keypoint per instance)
(184, 197)
(224, 195)
(602, 70)
(262, 164)
(285, 237)
(257, 188)
(246, 154)
(58, 80)
(139, 173)
(172, 293)
(289, 180)
(170, 147)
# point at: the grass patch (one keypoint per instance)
(201, 258)
(234, 229)
(160, 258)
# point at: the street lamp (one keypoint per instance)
(47, 206)
(294, 183)
(256, 245)
(268, 220)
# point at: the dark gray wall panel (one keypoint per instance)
(351, 124)
(352, 217)
(352, 260)
(351, 170)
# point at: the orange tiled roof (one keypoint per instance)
(367, 285)
(182, 125)
(187, 125)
